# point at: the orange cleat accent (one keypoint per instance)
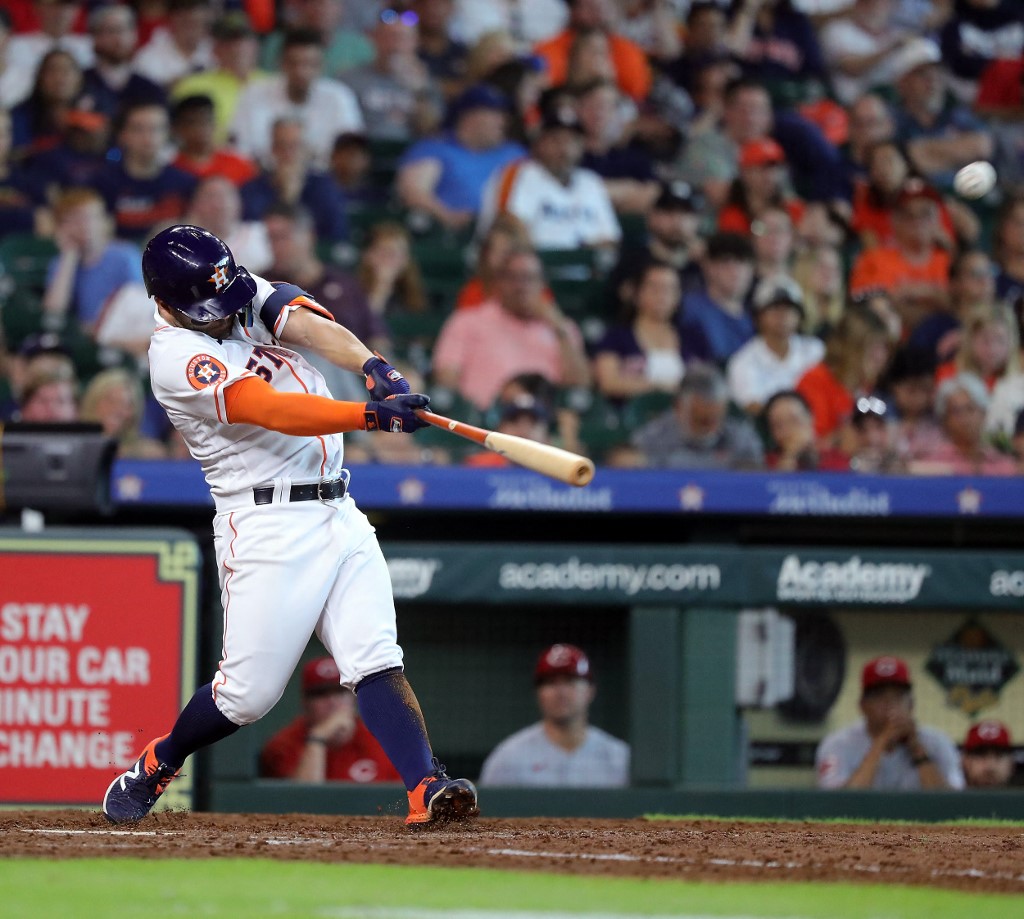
(439, 800)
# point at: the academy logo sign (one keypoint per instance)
(852, 581)
(1004, 583)
(412, 577)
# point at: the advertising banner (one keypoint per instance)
(727, 576)
(97, 648)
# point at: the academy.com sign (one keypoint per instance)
(851, 581)
(611, 577)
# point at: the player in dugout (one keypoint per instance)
(295, 555)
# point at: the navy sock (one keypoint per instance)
(200, 724)
(389, 708)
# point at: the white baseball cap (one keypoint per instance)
(915, 53)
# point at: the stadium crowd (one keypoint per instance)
(664, 233)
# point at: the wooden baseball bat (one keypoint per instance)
(559, 464)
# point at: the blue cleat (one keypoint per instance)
(439, 799)
(132, 794)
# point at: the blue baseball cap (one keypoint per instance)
(481, 95)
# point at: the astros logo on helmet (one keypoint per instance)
(219, 278)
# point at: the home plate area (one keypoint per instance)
(972, 858)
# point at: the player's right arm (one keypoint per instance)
(251, 400)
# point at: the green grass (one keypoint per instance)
(251, 888)
(851, 821)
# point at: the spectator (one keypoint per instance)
(523, 82)
(443, 55)
(563, 749)
(323, 106)
(328, 742)
(44, 354)
(940, 138)
(777, 357)
(564, 206)
(113, 82)
(774, 243)
(216, 205)
(627, 171)
(718, 314)
(704, 44)
(192, 124)
(351, 169)
(961, 403)
(632, 70)
(887, 750)
(988, 346)
(856, 355)
(1017, 441)
(91, 265)
(872, 438)
(387, 272)
(644, 352)
(524, 21)
(346, 46)
(910, 387)
(445, 176)
(590, 60)
(235, 49)
(182, 45)
(710, 159)
(396, 93)
(977, 33)
(914, 270)
(1008, 249)
(776, 45)
(818, 270)
(139, 189)
(653, 25)
(490, 51)
(114, 399)
(48, 397)
(761, 184)
(78, 154)
(987, 758)
(520, 331)
(861, 47)
(870, 122)
(291, 178)
(37, 122)
(15, 83)
(23, 207)
(792, 446)
(522, 416)
(56, 31)
(505, 234)
(697, 432)
(1008, 393)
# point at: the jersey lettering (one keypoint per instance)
(259, 369)
(204, 370)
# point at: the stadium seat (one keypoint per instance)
(26, 260)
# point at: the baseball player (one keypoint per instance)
(888, 750)
(562, 749)
(294, 553)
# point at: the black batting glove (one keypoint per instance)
(396, 413)
(382, 380)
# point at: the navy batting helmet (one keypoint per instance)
(193, 271)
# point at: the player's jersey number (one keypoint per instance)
(261, 370)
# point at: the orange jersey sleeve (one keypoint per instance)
(254, 401)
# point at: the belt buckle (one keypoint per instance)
(343, 476)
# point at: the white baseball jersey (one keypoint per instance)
(190, 371)
(558, 216)
(287, 568)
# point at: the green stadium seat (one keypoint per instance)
(26, 259)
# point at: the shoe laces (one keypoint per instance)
(439, 768)
(149, 788)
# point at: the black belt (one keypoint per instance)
(326, 490)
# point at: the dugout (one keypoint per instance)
(661, 624)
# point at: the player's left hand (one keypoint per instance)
(396, 414)
(382, 380)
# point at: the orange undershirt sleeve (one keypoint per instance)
(254, 401)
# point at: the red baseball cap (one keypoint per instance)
(986, 735)
(763, 152)
(914, 188)
(885, 671)
(562, 660)
(319, 674)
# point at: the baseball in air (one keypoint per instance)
(975, 180)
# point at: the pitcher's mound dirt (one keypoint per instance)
(968, 858)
